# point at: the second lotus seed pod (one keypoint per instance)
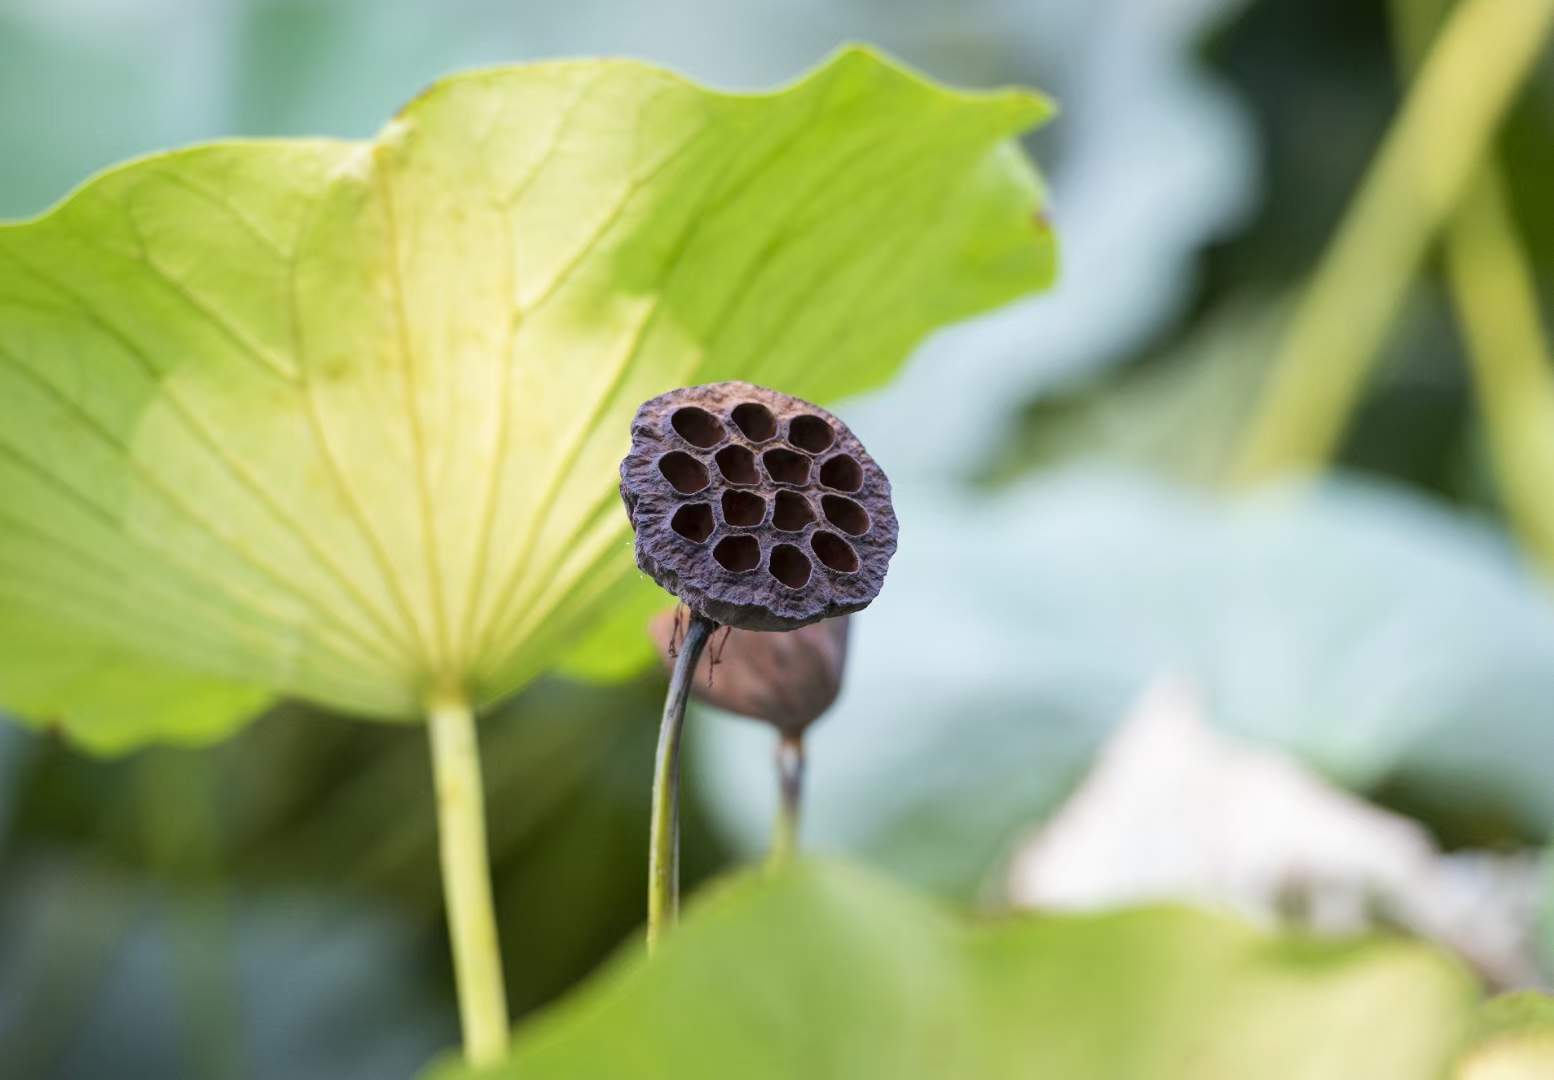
(757, 509)
(787, 679)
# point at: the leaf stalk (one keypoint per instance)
(466, 877)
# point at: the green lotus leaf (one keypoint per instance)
(825, 971)
(1512, 1039)
(112, 701)
(341, 420)
(618, 646)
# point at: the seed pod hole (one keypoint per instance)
(792, 512)
(684, 472)
(790, 566)
(698, 427)
(810, 433)
(756, 421)
(693, 521)
(842, 473)
(738, 553)
(743, 509)
(845, 514)
(786, 467)
(737, 465)
(835, 552)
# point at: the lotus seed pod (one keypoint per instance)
(758, 510)
(788, 680)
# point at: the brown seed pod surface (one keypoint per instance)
(757, 509)
(788, 680)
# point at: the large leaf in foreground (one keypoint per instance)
(827, 972)
(341, 420)
(1512, 1039)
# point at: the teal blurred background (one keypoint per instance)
(270, 908)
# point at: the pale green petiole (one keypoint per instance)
(466, 878)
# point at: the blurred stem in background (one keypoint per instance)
(790, 788)
(1493, 287)
(466, 875)
(1432, 151)
(180, 813)
(1497, 303)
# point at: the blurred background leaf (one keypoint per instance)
(1382, 638)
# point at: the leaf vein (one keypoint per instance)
(519, 575)
(429, 544)
(515, 319)
(135, 468)
(219, 452)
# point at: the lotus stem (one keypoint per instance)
(1431, 154)
(466, 879)
(1495, 290)
(664, 833)
(790, 786)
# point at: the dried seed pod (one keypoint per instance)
(758, 510)
(786, 679)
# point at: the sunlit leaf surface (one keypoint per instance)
(341, 420)
(112, 699)
(827, 972)
(1512, 1039)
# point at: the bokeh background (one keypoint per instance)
(270, 908)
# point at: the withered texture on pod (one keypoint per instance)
(758, 510)
(788, 680)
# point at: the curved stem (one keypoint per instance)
(466, 880)
(790, 784)
(664, 836)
